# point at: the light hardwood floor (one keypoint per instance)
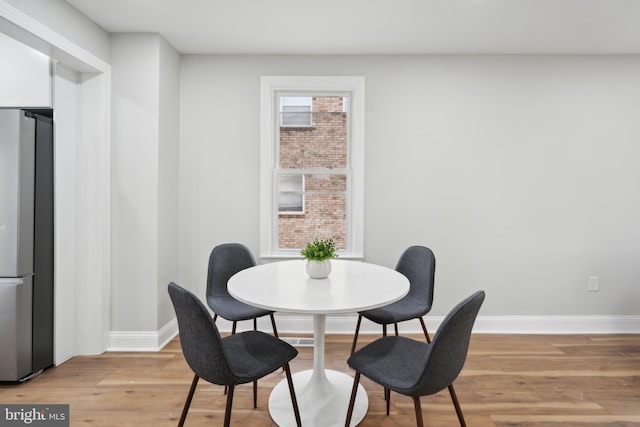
(508, 380)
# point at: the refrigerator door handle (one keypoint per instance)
(11, 281)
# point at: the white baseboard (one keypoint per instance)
(143, 340)
(484, 324)
(558, 324)
(303, 325)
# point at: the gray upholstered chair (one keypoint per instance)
(237, 359)
(415, 368)
(225, 261)
(419, 265)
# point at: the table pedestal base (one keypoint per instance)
(323, 400)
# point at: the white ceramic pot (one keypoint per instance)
(318, 269)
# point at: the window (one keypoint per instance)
(312, 157)
(295, 111)
(291, 194)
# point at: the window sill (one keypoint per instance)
(299, 127)
(274, 257)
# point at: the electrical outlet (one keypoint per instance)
(593, 285)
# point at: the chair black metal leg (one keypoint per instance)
(352, 401)
(416, 403)
(233, 331)
(255, 394)
(273, 325)
(215, 316)
(452, 392)
(387, 397)
(255, 324)
(227, 411)
(355, 336)
(294, 400)
(384, 334)
(395, 326)
(424, 328)
(187, 403)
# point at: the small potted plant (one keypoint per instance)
(318, 255)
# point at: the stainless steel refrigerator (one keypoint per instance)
(26, 243)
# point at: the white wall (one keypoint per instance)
(135, 164)
(520, 172)
(168, 179)
(145, 182)
(219, 158)
(66, 210)
(25, 76)
(67, 22)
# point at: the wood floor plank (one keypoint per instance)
(508, 380)
(595, 420)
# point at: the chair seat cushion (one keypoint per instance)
(254, 354)
(399, 311)
(231, 309)
(393, 362)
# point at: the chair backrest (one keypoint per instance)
(225, 261)
(449, 347)
(199, 337)
(418, 264)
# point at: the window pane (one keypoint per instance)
(335, 183)
(324, 144)
(324, 217)
(317, 208)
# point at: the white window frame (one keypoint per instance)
(270, 88)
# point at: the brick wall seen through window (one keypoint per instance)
(323, 145)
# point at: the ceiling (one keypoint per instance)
(378, 26)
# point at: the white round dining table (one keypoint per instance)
(323, 394)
